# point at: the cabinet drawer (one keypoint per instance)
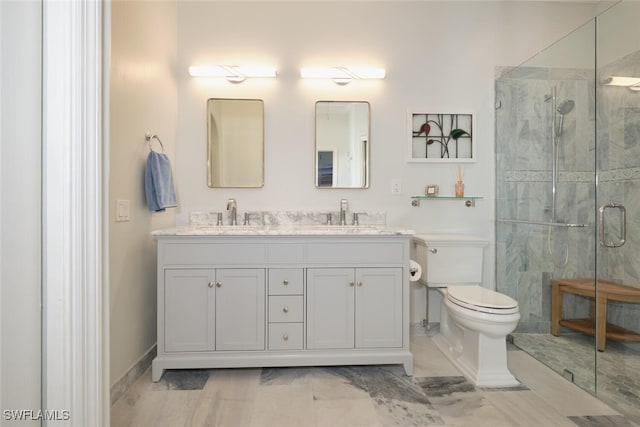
(285, 336)
(285, 308)
(212, 253)
(285, 281)
(285, 253)
(350, 253)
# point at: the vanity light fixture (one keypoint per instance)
(632, 83)
(233, 73)
(343, 75)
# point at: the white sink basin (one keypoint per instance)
(344, 227)
(229, 227)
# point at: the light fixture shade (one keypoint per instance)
(343, 75)
(232, 73)
(622, 81)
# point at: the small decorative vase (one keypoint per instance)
(459, 189)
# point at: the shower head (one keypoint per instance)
(565, 107)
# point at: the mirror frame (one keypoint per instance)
(367, 154)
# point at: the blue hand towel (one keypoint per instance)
(158, 183)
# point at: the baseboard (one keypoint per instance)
(120, 387)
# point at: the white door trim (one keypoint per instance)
(75, 343)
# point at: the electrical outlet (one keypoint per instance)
(396, 186)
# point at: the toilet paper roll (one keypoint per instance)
(415, 271)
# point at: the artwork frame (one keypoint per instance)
(431, 190)
(441, 137)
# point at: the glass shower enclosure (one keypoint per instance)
(568, 204)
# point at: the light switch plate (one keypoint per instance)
(396, 186)
(122, 211)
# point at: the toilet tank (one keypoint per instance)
(448, 259)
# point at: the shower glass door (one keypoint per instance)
(568, 205)
(546, 223)
(618, 201)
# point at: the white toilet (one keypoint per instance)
(474, 320)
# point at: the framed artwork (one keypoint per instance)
(441, 138)
(431, 190)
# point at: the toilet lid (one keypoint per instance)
(482, 299)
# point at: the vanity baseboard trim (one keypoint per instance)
(281, 359)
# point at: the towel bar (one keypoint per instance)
(149, 137)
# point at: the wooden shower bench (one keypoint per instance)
(607, 291)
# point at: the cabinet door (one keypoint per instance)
(189, 301)
(330, 308)
(240, 309)
(378, 307)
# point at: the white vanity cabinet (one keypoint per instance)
(189, 310)
(286, 309)
(282, 300)
(208, 310)
(354, 308)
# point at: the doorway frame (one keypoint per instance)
(75, 291)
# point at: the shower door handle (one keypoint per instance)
(623, 225)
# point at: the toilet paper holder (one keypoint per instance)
(415, 271)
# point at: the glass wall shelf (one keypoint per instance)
(469, 201)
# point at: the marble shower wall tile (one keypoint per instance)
(523, 189)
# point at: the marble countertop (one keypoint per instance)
(269, 230)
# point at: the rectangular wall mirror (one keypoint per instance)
(235, 149)
(342, 144)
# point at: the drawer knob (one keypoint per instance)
(351, 283)
(285, 309)
(211, 284)
(285, 337)
(285, 282)
(218, 284)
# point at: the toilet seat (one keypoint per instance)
(480, 299)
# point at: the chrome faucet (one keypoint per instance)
(344, 207)
(232, 207)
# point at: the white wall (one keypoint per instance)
(439, 56)
(618, 32)
(20, 207)
(143, 99)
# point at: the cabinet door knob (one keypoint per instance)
(285, 309)
(211, 284)
(359, 283)
(351, 283)
(285, 282)
(285, 337)
(218, 284)
(433, 250)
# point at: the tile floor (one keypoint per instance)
(618, 367)
(367, 396)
